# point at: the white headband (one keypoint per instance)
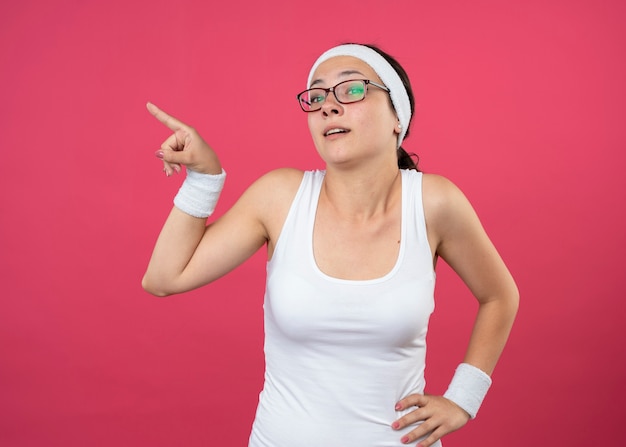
(386, 73)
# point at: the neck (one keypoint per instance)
(361, 194)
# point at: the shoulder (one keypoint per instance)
(277, 184)
(445, 205)
(282, 176)
(439, 191)
(271, 195)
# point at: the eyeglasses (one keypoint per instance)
(346, 92)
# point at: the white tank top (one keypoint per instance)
(340, 353)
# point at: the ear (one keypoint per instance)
(398, 128)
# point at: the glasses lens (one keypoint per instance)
(350, 91)
(312, 99)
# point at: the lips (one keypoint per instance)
(335, 131)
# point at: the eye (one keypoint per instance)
(316, 96)
(351, 91)
(355, 90)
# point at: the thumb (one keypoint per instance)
(170, 156)
(173, 148)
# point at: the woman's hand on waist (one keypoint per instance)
(438, 416)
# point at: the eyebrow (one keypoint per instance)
(343, 73)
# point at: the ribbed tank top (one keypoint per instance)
(340, 353)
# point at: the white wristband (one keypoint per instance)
(468, 388)
(199, 193)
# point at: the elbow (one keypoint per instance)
(154, 288)
(512, 303)
(506, 301)
(515, 298)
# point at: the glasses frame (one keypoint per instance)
(367, 83)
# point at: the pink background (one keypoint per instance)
(522, 104)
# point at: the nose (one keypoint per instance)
(331, 106)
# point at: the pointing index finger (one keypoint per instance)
(169, 121)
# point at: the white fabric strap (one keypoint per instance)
(468, 388)
(386, 73)
(199, 193)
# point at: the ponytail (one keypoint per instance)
(406, 160)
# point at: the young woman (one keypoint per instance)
(351, 266)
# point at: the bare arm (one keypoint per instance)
(188, 253)
(465, 246)
(458, 237)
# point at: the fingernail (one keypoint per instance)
(398, 406)
(395, 425)
(159, 154)
(404, 440)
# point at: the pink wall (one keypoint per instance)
(520, 103)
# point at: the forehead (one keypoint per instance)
(343, 67)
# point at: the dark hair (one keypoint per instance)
(405, 160)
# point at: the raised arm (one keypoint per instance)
(188, 253)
